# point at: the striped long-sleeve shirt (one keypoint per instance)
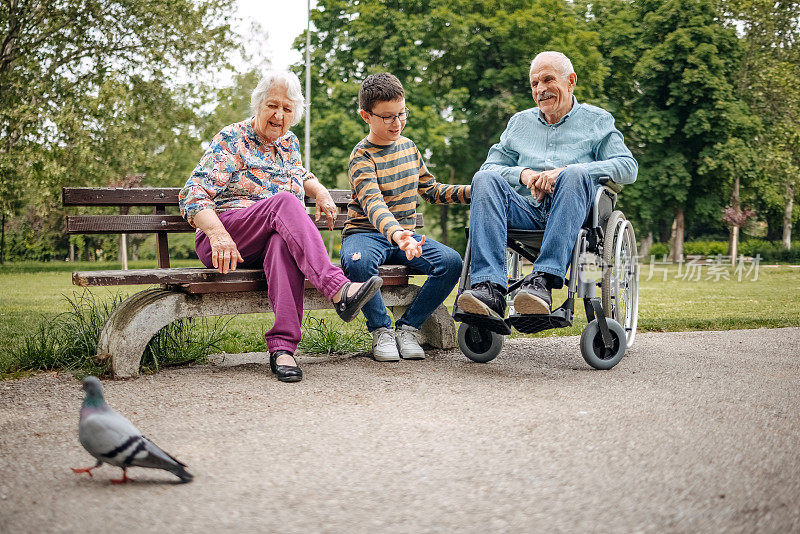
(385, 180)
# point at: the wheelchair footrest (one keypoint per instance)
(530, 324)
(493, 324)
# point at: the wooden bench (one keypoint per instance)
(199, 292)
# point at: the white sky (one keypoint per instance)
(283, 21)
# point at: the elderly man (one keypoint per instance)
(541, 175)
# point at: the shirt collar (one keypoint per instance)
(573, 109)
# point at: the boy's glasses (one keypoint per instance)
(389, 119)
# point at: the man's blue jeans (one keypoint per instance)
(362, 253)
(496, 206)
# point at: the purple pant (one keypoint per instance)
(277, 234)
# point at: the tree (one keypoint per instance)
(464, 66)
(769, 80)
(88, 90)
(687, 110)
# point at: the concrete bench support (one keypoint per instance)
(134, 323)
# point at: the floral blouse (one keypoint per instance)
(237, 170)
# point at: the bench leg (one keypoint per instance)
(439, 331)
(133, 324)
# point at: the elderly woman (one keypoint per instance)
(245, 198)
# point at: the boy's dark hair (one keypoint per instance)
(383, 87)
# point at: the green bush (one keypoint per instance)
(659, 250)
(705, 248)
(768, 250)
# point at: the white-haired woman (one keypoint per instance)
(245, 198)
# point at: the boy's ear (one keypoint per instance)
(364, 115)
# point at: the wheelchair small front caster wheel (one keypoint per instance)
(594, 350)
(479, 344)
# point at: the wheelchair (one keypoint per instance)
(604, 256)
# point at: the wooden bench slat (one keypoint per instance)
(259, 285)
(126, 224)
(152, 196)
(118, 196)
(194, 275)
(144, 224)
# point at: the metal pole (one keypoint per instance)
(308, 90)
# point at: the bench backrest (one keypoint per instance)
(159, 223)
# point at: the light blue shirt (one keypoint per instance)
(585, 136)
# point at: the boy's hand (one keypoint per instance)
(405, 240)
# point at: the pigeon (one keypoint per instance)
(112, 439)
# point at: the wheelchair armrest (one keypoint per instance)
(609, 183)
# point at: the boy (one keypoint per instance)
(386, 175)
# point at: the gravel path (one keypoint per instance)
(691, 432)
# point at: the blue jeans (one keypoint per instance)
(362, 253)
(495, 206)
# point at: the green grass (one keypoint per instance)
(32, 301)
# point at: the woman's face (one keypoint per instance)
(276, 114)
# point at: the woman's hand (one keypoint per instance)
(326, 206)
(224, 254)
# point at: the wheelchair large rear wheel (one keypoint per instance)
(594, 350)
(620, 288)
(479, 344)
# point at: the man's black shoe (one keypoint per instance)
(485, 298)
(534, 296)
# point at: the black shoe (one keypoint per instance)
(534, 297)
(485, 298)
(285, 373)
(348, 307)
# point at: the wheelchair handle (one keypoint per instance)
(609, 183)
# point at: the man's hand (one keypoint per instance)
(405, 240)
(546, 181)
(325, 206)
(224, 254)
(528, 178)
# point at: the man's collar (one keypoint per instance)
(573, 109)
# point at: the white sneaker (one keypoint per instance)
(384, 347)
(408, 343)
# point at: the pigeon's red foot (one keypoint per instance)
(122, 480)
(87, 470)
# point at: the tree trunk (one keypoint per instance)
(676, 240)
(71, 252)
(787, 217)
(733, 244)
(123, 242)
(733, 236)
(647, 243)
(3, 240)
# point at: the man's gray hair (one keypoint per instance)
(561, 61)
(293, 91)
